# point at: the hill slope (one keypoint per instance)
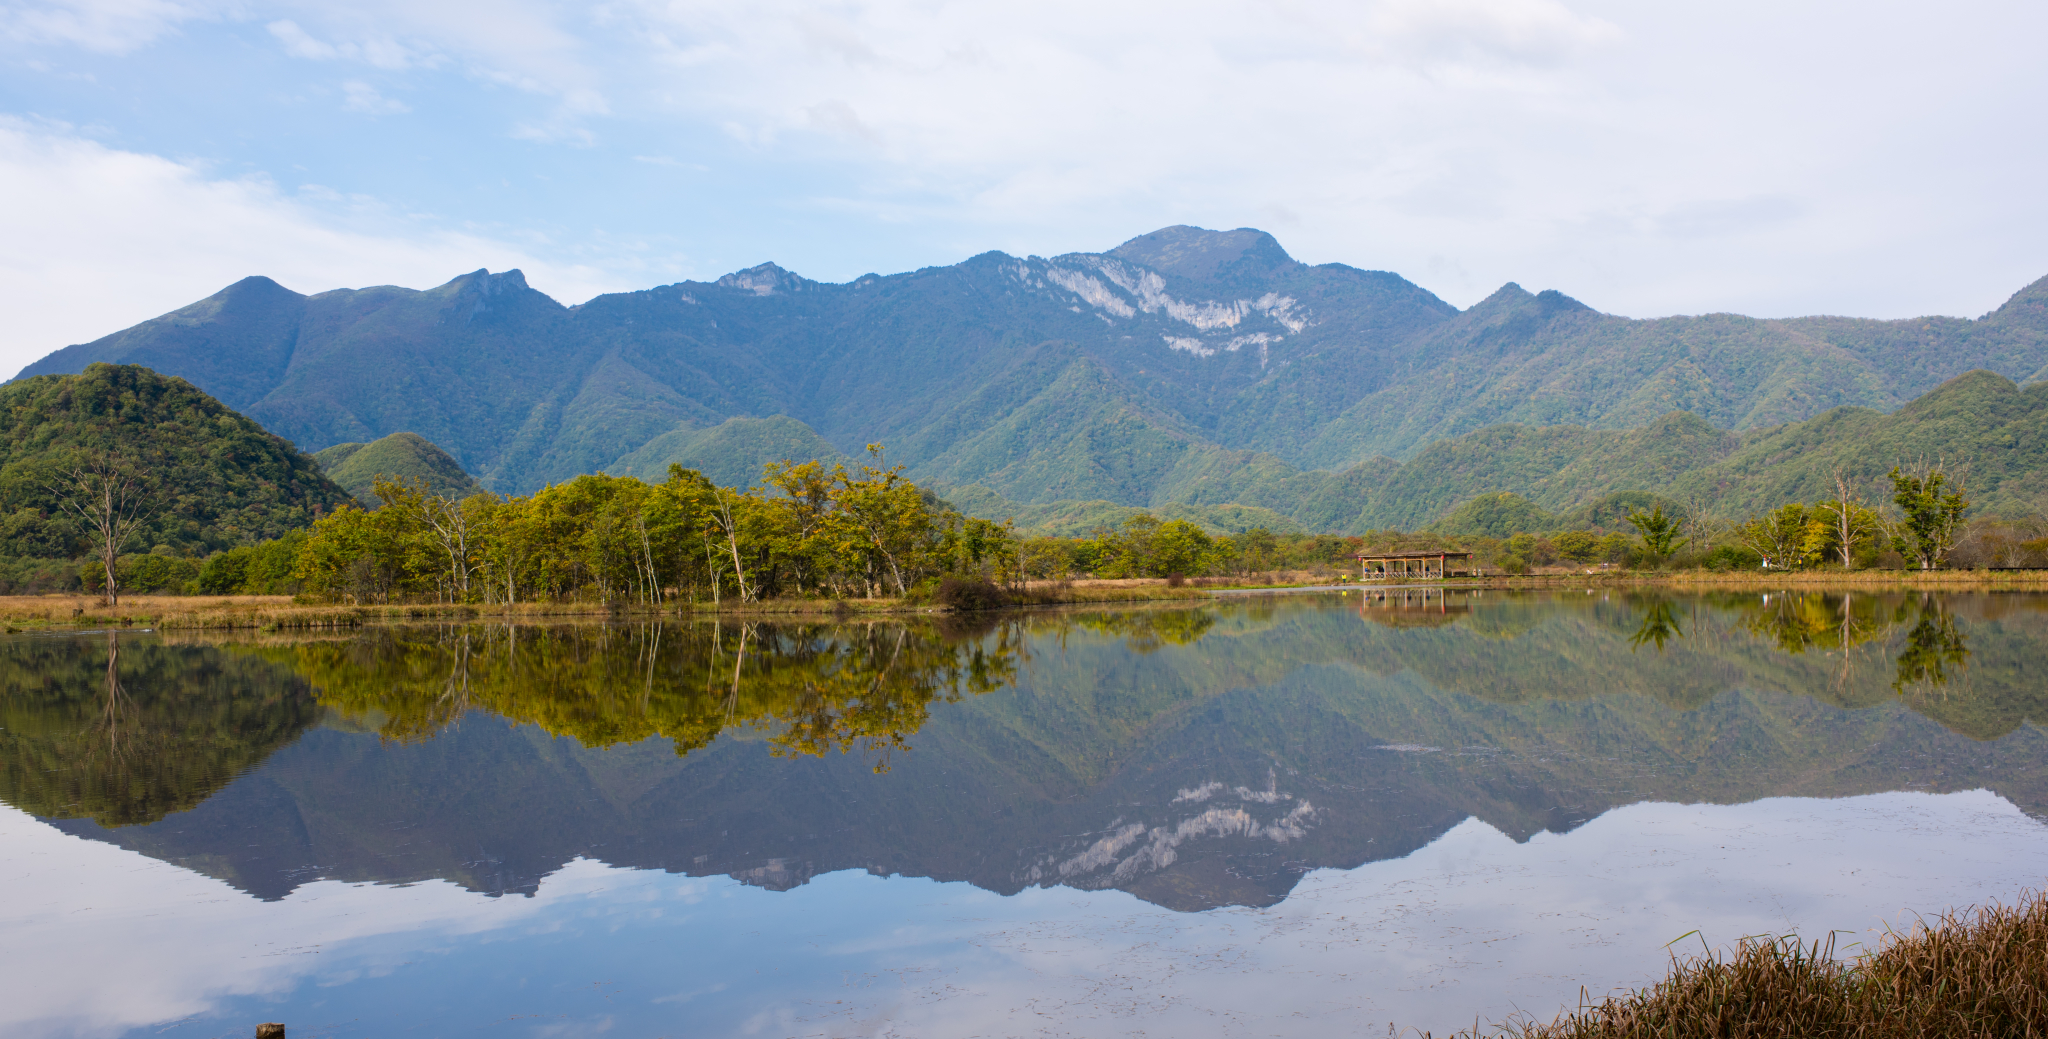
(730, 453)
(1181, 365)
(406, 457)
(1996, 431)
(227, 482)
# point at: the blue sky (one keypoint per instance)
(1879, 159)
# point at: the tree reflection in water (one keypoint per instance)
(1933, 647)
(126, 730)
(1659, 626)
(1840, 625)
(811, 688)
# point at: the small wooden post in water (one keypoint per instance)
(270, 1030)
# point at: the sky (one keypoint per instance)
(1870, 158)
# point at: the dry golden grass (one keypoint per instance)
(278, 612)
(1979, 972)
(1135, 589)
(242, 611)
(1861, 580)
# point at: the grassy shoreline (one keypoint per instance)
(1981, 971)
(1694, 580)
(25, 612)
(275, 612)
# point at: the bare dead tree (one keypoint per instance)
(451, 525)
(113, 498)
(1844, 510)
(724, 515)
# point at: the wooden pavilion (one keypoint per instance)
(1390, 566)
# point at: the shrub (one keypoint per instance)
(1732, 557)
(155, 574)
(969, 593)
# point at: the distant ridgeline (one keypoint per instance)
(224, 481)
(1183, 371)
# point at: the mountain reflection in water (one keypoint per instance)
(1193, 757)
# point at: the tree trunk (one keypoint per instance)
(108, 548)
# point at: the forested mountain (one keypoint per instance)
(731, 453)
(1980, 423)
(221, 480)
(1183, 366)
(408, 458)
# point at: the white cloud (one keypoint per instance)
(117, 237)
(382, 52)
(300, 44)
(1649, 158)
(362, 97)
(565, 123)
(108, 26)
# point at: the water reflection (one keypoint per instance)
(1383, 780)
(1416, 607)
(1934, 648)
(127, 731)
(808, 689)
(1659, 626)
(1194, 757)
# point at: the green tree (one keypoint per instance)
(1658, 531)
(1180, 547)
(1780, 536)
(1579, 546)
(1933, 502)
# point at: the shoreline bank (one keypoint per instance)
(74, 611)
(279, 612)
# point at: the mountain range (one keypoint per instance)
(1185, 367)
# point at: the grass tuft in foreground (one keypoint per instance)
(1979, 972)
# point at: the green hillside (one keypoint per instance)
(1183, 366)
(1981, 421)
(1553, 474)
(1076, 518)
(730, 453)
(223, 480)
(406, 457)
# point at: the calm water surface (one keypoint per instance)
(1314, 815)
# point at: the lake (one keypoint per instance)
(1315, 814)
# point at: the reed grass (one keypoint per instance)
(1976, 972)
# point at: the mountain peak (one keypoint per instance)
(256, 285)
(765, 279)
(481, 281)
(1200, 254)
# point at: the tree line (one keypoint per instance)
(1920, 524)
(859, 531)
(865, 531)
